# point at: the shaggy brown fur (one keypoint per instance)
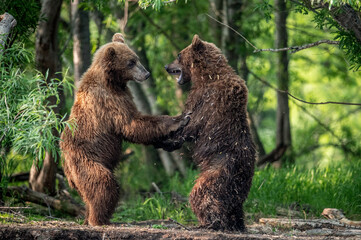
(223, 149)
(105, 115)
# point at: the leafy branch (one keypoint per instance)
(24, 106)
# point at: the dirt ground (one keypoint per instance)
(166, 229)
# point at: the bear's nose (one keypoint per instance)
(147, 75)
(166, 67)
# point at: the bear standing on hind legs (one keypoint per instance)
(104, 115)
(223, 150)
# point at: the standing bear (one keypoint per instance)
(104, 115)
(223, 150)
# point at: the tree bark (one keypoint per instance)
(7, 23)
(81, 39)
(283, 131)
(48, 63)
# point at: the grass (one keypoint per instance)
(334, 186)
(150, 205)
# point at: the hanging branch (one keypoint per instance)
(233, 31)
(298, 48)
(298, 99)
(294, 48)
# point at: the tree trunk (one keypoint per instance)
(283, 132)
(48, 63)
(81, 39)
(7, 23)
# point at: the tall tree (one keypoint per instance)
(81, 39)
(283, 131)
(48, 63)
(7, 23)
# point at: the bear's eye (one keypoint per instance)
(179, 56)
(131, 63)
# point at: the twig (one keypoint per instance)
(298, 99)
(157, 188)
(233, 31)
(174, 221)
(170, 1)
(13, 208)
(261, 184)
(298, 48)
(343, 145)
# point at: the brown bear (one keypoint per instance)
(104, 115)
(223, 147)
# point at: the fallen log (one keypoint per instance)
(334, 213)
(28, 195)
(323, 225)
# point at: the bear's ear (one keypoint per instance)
(110, 54)
(197, 43)
(118, 37)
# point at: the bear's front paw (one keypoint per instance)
(178, 123)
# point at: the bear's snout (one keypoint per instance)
(147, 75)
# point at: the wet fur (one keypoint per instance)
(223, 150)
(104, 115)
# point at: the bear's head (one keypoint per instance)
(197, 60)
(119, 63)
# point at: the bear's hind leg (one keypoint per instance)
(103, 201)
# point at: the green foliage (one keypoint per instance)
(26, 13)
(159, 206)
(25, 114)
(353, 3)
(348, 42)
(264, 8)
(154, 4)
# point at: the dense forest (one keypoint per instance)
(301, 61)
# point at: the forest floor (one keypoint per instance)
(169, 229)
